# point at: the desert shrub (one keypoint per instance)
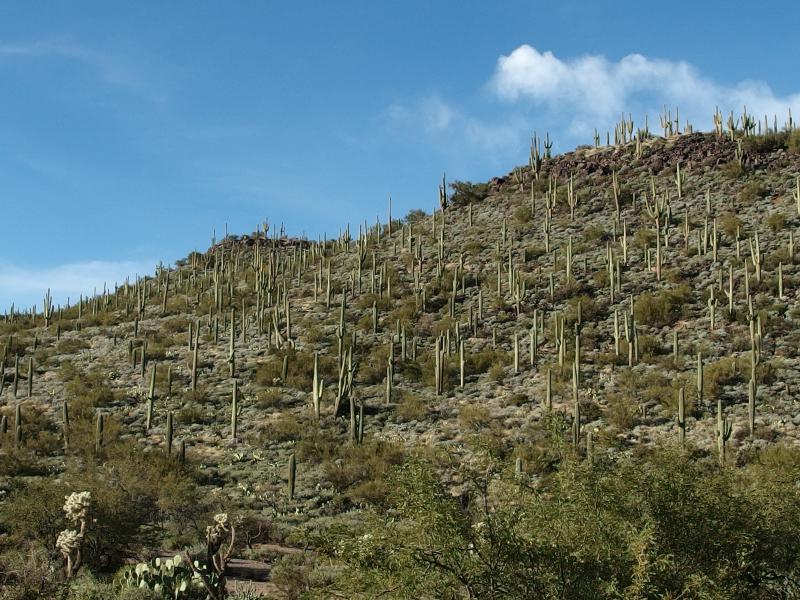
(285, 428)
(472, 247)
(480, 362)
(299, 372)
(517, 399)
(28, 573)
(793, 143)
(523, 214)
(85, 390)
(729, 223)
(650, 346)
(663, 307)
(465, 192)
(535, 251)
(776, 221)
(136, 497)
(644, 238)
(176, 325)
(71, 345)
(40, 434)
(621, 410)
(268, 398)
(415, 216)
(732, 169)
(473, 416)
(405, 312)
(765, 143)
(372, 369)
(88, 587)
(411, 408)
(497, 372)
(193, 413)
(595, 233)
(450, 371)
(365, 302)
(293, 574)
(589, 308)
(662, 521)
(723, 372)
(359, 471)
(16, 345)
(753, 190)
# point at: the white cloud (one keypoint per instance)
(592, 86)
(25, 286)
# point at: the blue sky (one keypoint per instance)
(128, 132)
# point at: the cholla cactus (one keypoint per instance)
(216, 532)
(77, 505)
(212, 573)
(70, 541)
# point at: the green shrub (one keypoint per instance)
(732, 169)
(793, 143)
(662, 308)
(730, 223)
(497, 372)
(473, 416)
(465, 192)
(595, 233)
(753, 190)
(765, 143)
(621, 411)
(776, 221)
(660, 524)
(411, 408)
(523, 214)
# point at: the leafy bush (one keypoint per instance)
(136, 496)
(776, 221)
(730, 223)
(659, 525)
(465, 192)
(766, 143)
(753, 190)
(793, 143)
(412, 408)
(663, 307)
(732, 169)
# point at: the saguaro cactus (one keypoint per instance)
(235, 410)
(292, 475)
(724, 430)
(657, 211)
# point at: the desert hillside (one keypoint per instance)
(624, 311)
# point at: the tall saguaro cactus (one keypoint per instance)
(657, 210)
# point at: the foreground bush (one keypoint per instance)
(666, 525)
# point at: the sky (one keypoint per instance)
(130, 133)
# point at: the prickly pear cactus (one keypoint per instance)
(172, 578)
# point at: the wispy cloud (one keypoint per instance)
(454, 129)
(24, 286)
(111, 68)
(431, 114)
